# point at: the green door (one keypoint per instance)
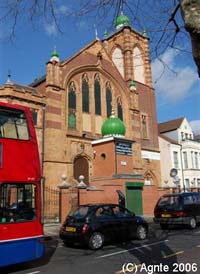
(134, 197)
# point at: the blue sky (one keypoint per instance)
(177, 85)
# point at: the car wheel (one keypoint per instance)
(164, 226)
(192, 223)
(96, 241)
(141, 232)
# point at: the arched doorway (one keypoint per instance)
(81, 167)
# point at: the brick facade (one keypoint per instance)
(61, 146)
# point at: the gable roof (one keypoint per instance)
(170, 125)
(23, 89)
(170, 140)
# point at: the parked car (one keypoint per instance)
(95, 224)
(178, 209)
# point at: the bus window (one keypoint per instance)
(18, 202)
(13, 124)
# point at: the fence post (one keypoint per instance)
(64, 198)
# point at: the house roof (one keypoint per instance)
(37, 81)
(170, 125)
(22, 88)
(170, 140)
(197, 137)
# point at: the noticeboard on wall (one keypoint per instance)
(123, 148)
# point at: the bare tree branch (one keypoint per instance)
(162, 19)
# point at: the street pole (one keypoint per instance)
(183, 180)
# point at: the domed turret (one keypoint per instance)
(113, 126)
(121, 21)
(54, 56)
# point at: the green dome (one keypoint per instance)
(113, 126)
(106, 34)
(54, 53)
(122, 20)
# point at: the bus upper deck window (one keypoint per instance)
(13, 124)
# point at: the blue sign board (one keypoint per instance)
(123, 148)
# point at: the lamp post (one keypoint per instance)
(183, 179)
(176, 179)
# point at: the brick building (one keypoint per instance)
(74, 98)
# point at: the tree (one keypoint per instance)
(167, 23)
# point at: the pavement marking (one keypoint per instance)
(197, 232)
(173, 254)
(127, 250)
(139, 265)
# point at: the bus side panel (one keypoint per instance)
(20, 251)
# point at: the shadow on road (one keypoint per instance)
(153, 255)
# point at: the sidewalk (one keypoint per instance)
(51, 230)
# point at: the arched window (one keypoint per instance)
(72, 105)
(119, 109)
(85, 93)
(138, 65)
(97, 94)
(108, 99)
(81, 167)
(118, 60)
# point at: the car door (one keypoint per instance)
(108, 223)
(196, 198)
(127, 223)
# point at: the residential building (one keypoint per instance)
(178, 141)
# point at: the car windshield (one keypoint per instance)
(170, 202)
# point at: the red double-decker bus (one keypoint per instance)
(21, 230)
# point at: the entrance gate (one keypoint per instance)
(51, 205)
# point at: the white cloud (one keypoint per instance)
(172, 81)
(51, 29)
(195, 124)
(62, 10)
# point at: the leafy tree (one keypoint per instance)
(168, 23)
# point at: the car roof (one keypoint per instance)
(100, 204)
(181, 194)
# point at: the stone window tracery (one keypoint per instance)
(118, 60)
(85, 93)
(97, 94)
(72, 105)
(138, 65)
(119, 108)
(108, 99)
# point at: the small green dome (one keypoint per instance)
(122, 20)
(113, 126)
(54, 53)
(132, 85)
(106, 34)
